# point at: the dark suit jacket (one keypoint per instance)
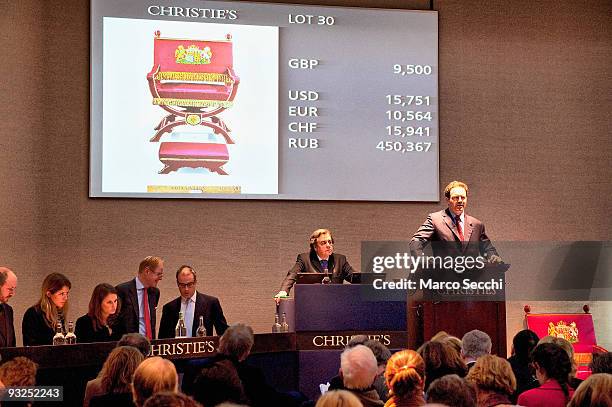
(85, 332)
(206, 306)
(35, 329)
(440, 227)
(338, 267)
(128, 317)
(7, 330)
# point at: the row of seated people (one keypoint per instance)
(113, 311)
(445, 370)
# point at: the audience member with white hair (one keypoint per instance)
(474, 344)
(358, 368)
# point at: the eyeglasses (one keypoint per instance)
(324, 242)
(186, 285)
(63, 293)
(157, 273)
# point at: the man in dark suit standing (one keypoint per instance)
(193, 305)
(459, 233)
(139, 298)
(320, 259)
(8, 284)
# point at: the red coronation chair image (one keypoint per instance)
(577, 328)
(193, 81)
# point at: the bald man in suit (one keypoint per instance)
(8, 284)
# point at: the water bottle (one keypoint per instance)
(59, 338)
(276, 328)
(181, 330)
(70, 336)
(201, 332)
(284, 325)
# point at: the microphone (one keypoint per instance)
(326, 279)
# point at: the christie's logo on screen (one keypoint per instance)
(192, 12)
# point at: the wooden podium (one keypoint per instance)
(426, 318)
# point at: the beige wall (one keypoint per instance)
(524, 119)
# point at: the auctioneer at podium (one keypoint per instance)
(459, 233)
(451, 232)
(320, 259)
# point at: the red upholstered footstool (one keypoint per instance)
(207, 155)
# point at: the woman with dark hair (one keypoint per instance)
(522, 345)
(552, 367)
(441, 359)
(98, 325)
(405, 378)
(40, 320)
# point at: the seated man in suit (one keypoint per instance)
(320, 259)
(194, 305)
(8, 284)
(459, 233)
(138, 310)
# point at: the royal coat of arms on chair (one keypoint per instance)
(193, 81)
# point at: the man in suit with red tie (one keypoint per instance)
(139, 298)
(8, 284)
(459, 233)
(193, 305)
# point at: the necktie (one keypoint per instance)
(146, 313)
(459, 228)
(323, 264)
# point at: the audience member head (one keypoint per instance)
(186, 280)
(453, 342)
(19, 371)
(358, 367)
(8, 284)
(357, 340)
(136, 340)
(475, 344)
(601, 363)
(151, 271)
(170, 399)
(103, 306)
(151, 376)
(217, 383)
(492, 374)
(322, 243)
(338, 398)
(523, 343)
(440, 359)
(54, 298)
(237, 341)
(552, 362)
(405, 375)
(381, 353)
(440, 336)
(452, 390)
(595, 391)
(118, 369)
(565, 345)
